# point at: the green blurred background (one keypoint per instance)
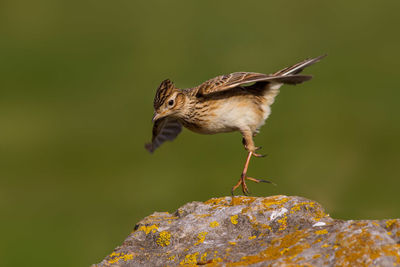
(77, 85)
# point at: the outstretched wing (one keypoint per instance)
(225, 82)
(164, 129)
(288, 75)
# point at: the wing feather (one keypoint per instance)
(288, 75)
(164, 129)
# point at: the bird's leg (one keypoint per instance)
(249, 145)
(243, 177)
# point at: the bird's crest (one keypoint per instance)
(164, 90)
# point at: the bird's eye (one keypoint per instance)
(171, 102)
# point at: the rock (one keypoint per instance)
(256, 231)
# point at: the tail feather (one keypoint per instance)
(291, 79)
(299, 67)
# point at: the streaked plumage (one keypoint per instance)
(238, 101)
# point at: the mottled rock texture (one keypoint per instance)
(256, 231)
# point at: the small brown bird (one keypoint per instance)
(239, 101)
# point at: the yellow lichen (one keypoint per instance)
(275, 200)
(321, 232)
(232, 243)
(147, 229)
(389, 223)
(234, 219)
(316, 256)
(252, 237)
(214, 224)
(172, 258)
(115, 257)
(164, 239)
(298, 206)
(203, 257)
(202, 215)
(325, 246)
(190, 259)
(201, 237)
(283, 223)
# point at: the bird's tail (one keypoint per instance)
(290, 75)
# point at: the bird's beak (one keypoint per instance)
(156, 116)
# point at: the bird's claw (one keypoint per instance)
(259, 155)
(245, 189)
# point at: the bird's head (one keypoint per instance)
(169, 101)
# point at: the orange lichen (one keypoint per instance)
(360, 249)
(242, 200)
(317, 241)
(286, 248)
(321, 232)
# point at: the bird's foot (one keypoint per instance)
(242, 182)
(258, 155)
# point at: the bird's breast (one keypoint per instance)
(227, 115)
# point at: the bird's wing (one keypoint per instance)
(224, 82)
(164, 129)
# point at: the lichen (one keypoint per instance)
(321, 232)
(203, 257)
(360, 248)
(275, 200)
(164, 239)
(234, 219)
(147, 229)
(201, 237)
(214, 224)
(389, 223)
(115, 257)
(283, 223)
(172, 258)
(287, 248)
(190, 259)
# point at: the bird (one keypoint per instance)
(240, 101)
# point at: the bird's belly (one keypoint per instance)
(234, 115)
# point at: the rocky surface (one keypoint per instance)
(270, 231)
